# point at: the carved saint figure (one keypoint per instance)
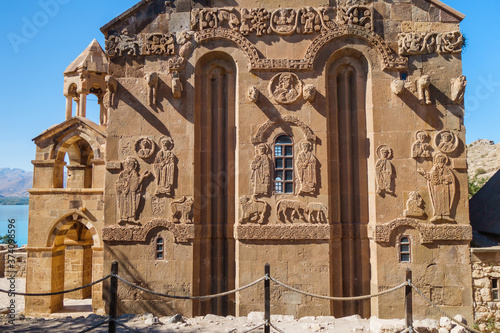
(144, 148)
(446, 141)
(164, 166)
(414, 206)
(285, 91)
(384, 170)
(261, 170)
(421, 148)
(128, 187)
(306, 168)
(441, 185)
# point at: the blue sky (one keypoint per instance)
(39, 39)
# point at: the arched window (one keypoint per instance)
(283, 164)
(159, 248)
(404, 250)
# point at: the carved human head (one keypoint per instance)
(166, 143)
(440, 159)
(384, 152)
(130, 164)
(262, 149)
(446, 137)
(305, 145)
(422, 136)
(285, 80)
(253, 94)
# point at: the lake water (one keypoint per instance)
(18, 213)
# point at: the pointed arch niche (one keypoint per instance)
(214, 266)
(347, 82)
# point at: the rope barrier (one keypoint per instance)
(57, 292)
(190, 297)
(275, 328)
(470, 329)
(332, 298)
(126, 327)
(95, 326)
(254, 328)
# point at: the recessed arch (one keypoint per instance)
(61, 224)
(265, 130)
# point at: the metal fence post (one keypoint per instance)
(113, 295)
(408, 303)
(267, 299)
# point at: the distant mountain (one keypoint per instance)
(483, 158)
(15, 182)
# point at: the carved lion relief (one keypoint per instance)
(285, 88)
(384, 171)
(182, 210)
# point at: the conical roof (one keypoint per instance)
(92, 59)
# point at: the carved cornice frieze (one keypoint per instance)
(430, 42)
(284, 232)
(182, 232)
(381, 233)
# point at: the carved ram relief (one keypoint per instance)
(294, 211)
(253, 210)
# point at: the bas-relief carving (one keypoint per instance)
(176, 85)
(158, 206)
(397, 86)
(423, 85)
(128, 188)
(261, 170)
(264, 129)
(441, 186)
(356, 15)
(414, 206)
(160, 44)
(109, 97)
(421, 147)
(252, 210)
(182, 210)
(144, 147)
(152, 82)
(381, 233)
(165, 167)
(253, 94)
(317, 212)
(384, 170)
(446, 141)
(306, 169)
(431, 42)
(182, 232)
(284, 21)
(309, 92)
(458, 89)
(283, 232)
(285, 88)
(123, 44)
(297, 209)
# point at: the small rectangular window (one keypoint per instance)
(159, 248)
(404, 250)
(495, 290)
(283, 164)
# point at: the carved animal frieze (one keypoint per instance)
(182, 210)
(285, 88)
(317, 212)
(306, 169)
(414, 206)
(441, 186)
(421, 147)
(152, 87)
(123, 44)
(261, 170)
(424, 94)
(297, 208)
(458, 89)
(309, 92)
(384, 171)
(446, 141)
(430, 42)
(176, 85)
(165, 167)
(182, 232)
(160, 44)
(253, 94)
(144, 147)
(128, 190)
(252, 210)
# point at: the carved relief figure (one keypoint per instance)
(430, 42)
(160, 44)
(423, 89)
(230, 18)
(355, 15)
(446, 141)
(285, 88)
(108, 100)
(261, 170)
(318, 212)
(252, 210)
(421, 148)
(458, 89)
(122, 44)
(182, 210)
(397, 86)
(144, 148)
(260, 21)
(246, 18)
(310, 20)
(158, 206)
(176, 85)
(306, 169)
(414, 206)
(152, 82)
(384, 170)
(164, 166)
(441, 185)
(309, 92)
(128, 187)
(449, 42)
(298, 210)
(253, 94)
(284, 21)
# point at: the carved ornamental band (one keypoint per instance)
(430, 42)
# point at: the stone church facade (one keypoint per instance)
(326, 139)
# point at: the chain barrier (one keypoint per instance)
(56, 292)
(254, 328)
(275, 328)
(470, 329)
(190, 297)
(125, 326)
(332, 298)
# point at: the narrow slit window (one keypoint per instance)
(159, 248)
(495, 290)
(283, 164)
(404, 250)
